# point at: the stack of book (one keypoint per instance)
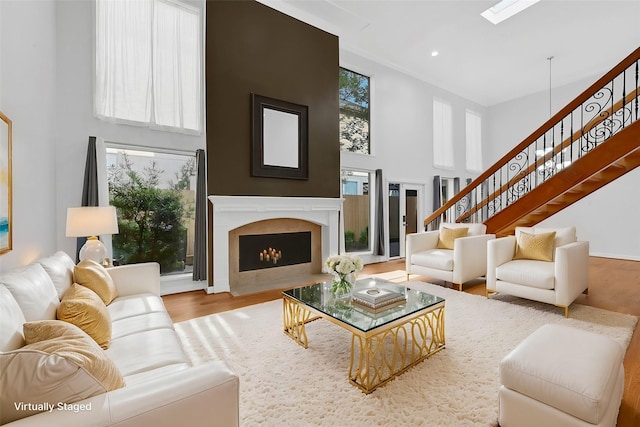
(377, 299)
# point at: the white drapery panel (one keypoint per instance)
(148, 64)
(473, 127)
(442, 134)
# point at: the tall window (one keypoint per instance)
(154, 194)
(474, 141)
(356, 210)
(442, 134)
(148, 63)
(354, 112)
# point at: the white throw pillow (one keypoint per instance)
(33, 289)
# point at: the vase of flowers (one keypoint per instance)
(343, 268)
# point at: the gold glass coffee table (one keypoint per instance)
(383, 344)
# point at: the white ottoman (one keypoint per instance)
(562, 376)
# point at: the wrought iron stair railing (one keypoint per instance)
(592, 119)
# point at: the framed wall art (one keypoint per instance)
(5, 185)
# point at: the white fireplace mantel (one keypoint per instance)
(231, 212)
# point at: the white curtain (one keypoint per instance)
(148, 64)
(177, 66)
(442, 134)
(474, 141)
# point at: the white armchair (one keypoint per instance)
(466, 261)
(559, 281)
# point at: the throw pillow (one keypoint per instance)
(42, 330)
(66, 369)
(95, 277)
(537, 247)
(564, 235)
(82, 307)
(448, 235)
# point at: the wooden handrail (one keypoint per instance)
(549, 124)
(556, 150)
(603, 155)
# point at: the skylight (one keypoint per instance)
(506, 9)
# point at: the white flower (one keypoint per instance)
(344, 264)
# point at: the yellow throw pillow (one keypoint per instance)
(42, 330)
(95, 277)
(537, 247)
(65, 369)
(81, 306)
(448, 235)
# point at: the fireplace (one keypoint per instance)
(273, 250)
(236, 218)
(294, 243)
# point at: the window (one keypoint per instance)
(148, 64)
(474, 141)
(442, 134)
(154, 194)
(448, 189)
(356, 210)
(354, 112)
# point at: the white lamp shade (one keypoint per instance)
(91, 221)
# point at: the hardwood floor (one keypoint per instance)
(613, 285)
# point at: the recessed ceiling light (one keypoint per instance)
(506, 9)
(434, 53)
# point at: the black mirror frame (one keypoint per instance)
(258, 167)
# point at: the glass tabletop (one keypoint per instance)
(320, 297)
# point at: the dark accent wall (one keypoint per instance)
(253, 48)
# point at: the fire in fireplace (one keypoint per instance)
(259, 251)
(270, 255)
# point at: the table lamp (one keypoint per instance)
(91, 222)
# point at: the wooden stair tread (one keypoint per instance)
(589, 175)
(585, 173)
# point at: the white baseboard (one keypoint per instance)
(616, 256)
(175, 284)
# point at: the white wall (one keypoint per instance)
(46, 61)
(47, 90)
(74, 118)
(402, 130)
(605, 218)
(28, 98)
(401, 125)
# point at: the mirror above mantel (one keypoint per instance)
(279, 138)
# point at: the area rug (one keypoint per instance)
(283, 384)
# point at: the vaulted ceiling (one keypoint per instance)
(486, 63)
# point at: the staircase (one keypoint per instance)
(592, 141)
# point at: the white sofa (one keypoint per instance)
(557, 282)
(162, 387)
(466, 261)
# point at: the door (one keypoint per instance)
(404, 200)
